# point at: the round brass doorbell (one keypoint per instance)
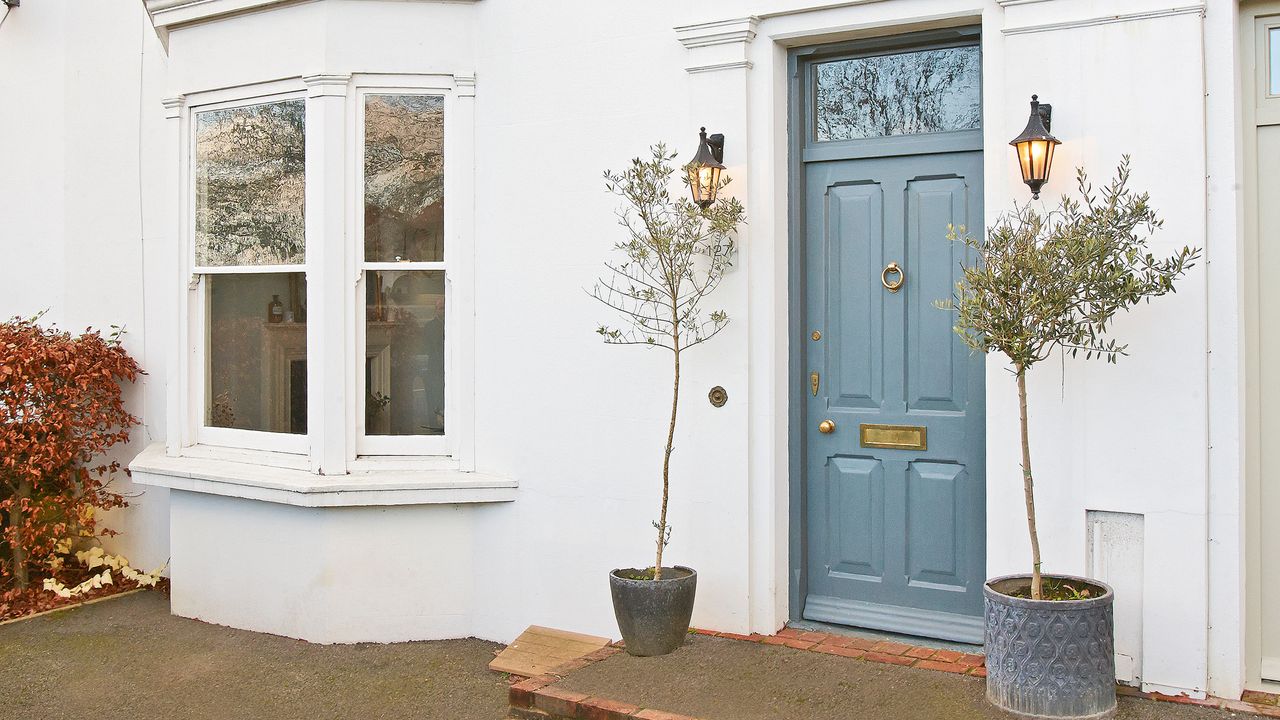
(718, 396)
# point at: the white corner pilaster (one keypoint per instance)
(718, 72)
(176, 372)
(326, 271)
(460, 138)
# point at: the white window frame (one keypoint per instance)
(455, 243)
(1267, 104)
(334, 241)
(197, 298)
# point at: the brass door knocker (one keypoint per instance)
(894, 286)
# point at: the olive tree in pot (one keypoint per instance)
(675, 254)
(1047, 282)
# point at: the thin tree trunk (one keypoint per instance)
(1028, 486)
(666, 463)
(17, 521)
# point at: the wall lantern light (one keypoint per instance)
(1035, 147)
(704, 169)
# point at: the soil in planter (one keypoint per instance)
(1053, 589)
(668, 573)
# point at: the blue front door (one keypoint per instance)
(893, 433)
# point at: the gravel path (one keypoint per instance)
(129, 658)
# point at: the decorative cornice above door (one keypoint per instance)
(718, 45)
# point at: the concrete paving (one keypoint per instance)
(720, 679)
(129, 658)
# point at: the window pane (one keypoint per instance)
(404, 178)
(257, 374)
(1273, 49)
(404, 352)
(910, 93)
(249, 185)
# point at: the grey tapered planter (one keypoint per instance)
(1050, 658)
(653, 615)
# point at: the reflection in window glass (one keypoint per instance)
(257, 350)
(926, 91)
(249, 164)
(1273, 50)
(404, 352)
(404, 178)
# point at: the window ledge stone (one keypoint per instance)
(301, 488)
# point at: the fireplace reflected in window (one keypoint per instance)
(257, 350)
(404, 352)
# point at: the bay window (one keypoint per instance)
(327, 274)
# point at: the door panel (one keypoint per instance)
(934, 380)
(856, 211)
(854, 490)
(895, 536)
(934, 544)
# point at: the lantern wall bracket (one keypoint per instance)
(717, 146)
(1046, 115)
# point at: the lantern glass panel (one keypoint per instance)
(1048, 159)
(704, 181)
(1035, 157)
(1024, 159)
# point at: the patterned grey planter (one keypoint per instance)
(1047, 658)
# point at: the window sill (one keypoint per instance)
(301, 488)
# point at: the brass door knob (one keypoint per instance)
(826, 427)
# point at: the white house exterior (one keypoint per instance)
(1152, 474)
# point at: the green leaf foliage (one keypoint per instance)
(1056, 279)
(673, 256)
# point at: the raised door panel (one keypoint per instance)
(855, 224)
(855, 514)
(936, 361)
(935, 522)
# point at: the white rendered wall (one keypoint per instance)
(75, 105)
(1129, 437)
(565, 90)
(367, 574)
(580, 424)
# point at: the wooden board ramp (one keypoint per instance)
(539, 650)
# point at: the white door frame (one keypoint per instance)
(1251, 116)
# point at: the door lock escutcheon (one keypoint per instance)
(814, 381)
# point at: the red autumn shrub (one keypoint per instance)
(61, 408)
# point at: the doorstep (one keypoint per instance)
(796, 674)
(887, 651)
